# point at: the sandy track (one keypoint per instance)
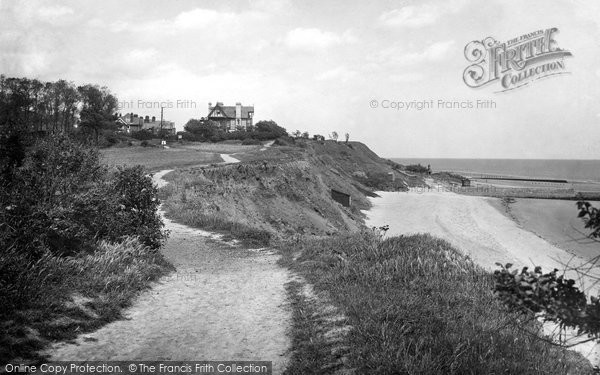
(222, 303)
(475, 227)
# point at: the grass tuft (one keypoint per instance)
(56, 298)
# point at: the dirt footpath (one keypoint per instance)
(222, 303)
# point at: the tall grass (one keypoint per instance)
(417, 306)
(37, 296)
(195, 217)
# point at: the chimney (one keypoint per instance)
(153, 118)
(147, 118)
(210, 107)
(238, 110)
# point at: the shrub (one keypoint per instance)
(136, 208)
(142, 135)
(63, 200)
(417, 168)
(44, 202)
(269, 130)
(284, 141)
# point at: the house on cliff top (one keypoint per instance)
(231, 117)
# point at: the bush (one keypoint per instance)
(42, 205)
(111, 139)
(69, 226)
(143, 135)
(269, 130)
(135, 208)
(417, 168)
(144, 143)
(207, 130)
(62, 200)
(284, 141)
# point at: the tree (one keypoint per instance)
(347, 135)
(32, 106)
(203, 129)
(269, 130)
(334, 136)
(98, 109)
(305, 135)
(297, 134)
(64, 105)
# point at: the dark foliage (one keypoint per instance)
(212, 131)
(591, 217)
(143, 135)
(34, 108)
(61, 199)
(417, 168)
(553, 296)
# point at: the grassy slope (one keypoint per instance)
(416, 306)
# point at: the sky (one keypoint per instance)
(325, 65)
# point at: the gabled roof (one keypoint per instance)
(229, 111)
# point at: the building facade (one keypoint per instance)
(231, 117)
(131, 123)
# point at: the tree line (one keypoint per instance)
(209, 130)
(31, 106)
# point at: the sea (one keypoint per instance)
(570, 170)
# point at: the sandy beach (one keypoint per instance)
(476, 226)
(555, 221)
(470, 223)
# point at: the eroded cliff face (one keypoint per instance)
(285, 190)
